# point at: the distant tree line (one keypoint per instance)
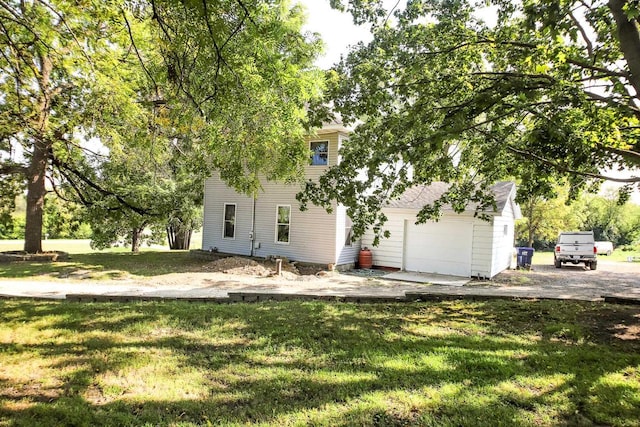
(608, 217)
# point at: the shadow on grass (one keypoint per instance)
(451, 363)
(108, 265)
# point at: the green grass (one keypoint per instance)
(72, 246)
(81, 246)
(442, 364)
(106, 265)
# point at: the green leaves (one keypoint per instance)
(133, 105)
(544, 95)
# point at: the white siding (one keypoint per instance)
(482, 254)
(389, 251)
(491, 250)
(313, 233)
(491, 247)
(216, 194)
(345, 254)
(502, 244)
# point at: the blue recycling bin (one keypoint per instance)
(525, 255)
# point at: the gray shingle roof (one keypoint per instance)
(420, 195)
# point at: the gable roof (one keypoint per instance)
(420, 195)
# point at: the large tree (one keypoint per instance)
(65, 75)
(71, 71)
(549, 92)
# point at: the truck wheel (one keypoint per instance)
(558, 263)
(594, 265)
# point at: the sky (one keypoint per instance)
(336, 29)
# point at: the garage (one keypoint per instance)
(460, 244)
(443, 247)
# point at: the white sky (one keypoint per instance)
(336, 29)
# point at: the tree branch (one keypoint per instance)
(12, 168)
(135, 48)
(65, 166)
(597, 97)
(564, 169)
(583, 33)
(73, 35)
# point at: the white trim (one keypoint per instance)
(224, 220)
(324, 141)
(278, 223)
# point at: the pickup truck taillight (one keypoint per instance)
(557, 248)
(595, 250)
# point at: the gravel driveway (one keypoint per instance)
(620, 279)
(611, 278)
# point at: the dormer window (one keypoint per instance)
(320, 153)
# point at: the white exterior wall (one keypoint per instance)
(491, 249)
(315, 236)
(216, 195)
(389, 252)
(503, 243)
(310, 232)
(482, 254)
(346, 254)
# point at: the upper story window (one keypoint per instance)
(320, 153)
(229, 231)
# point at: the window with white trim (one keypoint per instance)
(229, 227)
(283, 222)
(320, 153)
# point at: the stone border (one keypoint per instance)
(18, 256)
(257, 297)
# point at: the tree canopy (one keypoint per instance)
(227, 79)
(548, 93)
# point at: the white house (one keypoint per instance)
(457, 244)
(272, 223)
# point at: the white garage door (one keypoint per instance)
(442, 247)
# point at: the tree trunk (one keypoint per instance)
(36, 173)
(629, 38)
(35, 200)
(136, 239)
(179, 238)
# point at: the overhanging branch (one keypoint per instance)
(560, 168)
(67, 167)
(10, 168)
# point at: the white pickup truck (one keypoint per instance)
(576, 247)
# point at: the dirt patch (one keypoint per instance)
(261, 268)
(238, 265)
(618, 323)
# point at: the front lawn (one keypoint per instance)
(450, 363)
(106, 265)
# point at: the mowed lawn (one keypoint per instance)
(114, 263)
(311, 363)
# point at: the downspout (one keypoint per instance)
(252, 235)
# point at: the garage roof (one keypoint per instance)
(420, 195)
